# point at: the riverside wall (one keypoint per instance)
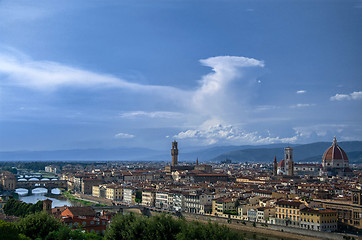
(272, 230)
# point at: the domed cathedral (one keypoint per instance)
(335, 161)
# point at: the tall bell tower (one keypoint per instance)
(289, 163)
(174, 153)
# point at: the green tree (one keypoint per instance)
(210, 231)
(65, 233)
(14, 207)
(10, 169)
(127, 227)
(38, 225)
(163, 227)
(9, 231)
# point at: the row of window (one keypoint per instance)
(286, 217)
(286, 211)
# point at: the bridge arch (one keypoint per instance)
(33, 179)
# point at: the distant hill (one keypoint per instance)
(263, 153)
(125, 154)
(312, 152)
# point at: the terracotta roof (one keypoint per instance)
(289, 203)
(334, 152)
(281, 164)
(82, 211)
(316, 210)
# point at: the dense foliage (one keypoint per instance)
(9, 169)
(18, 208)
(38, 225)
(165, 227)
(41, 225)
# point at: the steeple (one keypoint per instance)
(197, 161)
(275, 166)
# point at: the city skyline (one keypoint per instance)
(206, 73)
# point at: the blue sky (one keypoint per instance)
(89, 74)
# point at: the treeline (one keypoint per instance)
(35, 165)
(18, 208)
(127, 227)
(42, 226)
(123, 227)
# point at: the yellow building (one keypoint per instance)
(324, 220)
(349, 212)
(222, 205)
(8, 181)
(288, 213)
(99, 191)
(148, 197)
(114, 192)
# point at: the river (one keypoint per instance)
(39, 194)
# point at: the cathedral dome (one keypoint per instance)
(335, 156)
(281, 164)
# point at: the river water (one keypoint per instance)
(38, 194)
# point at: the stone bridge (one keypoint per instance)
(27, 178)
(49, 185)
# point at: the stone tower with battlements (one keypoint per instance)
(174, 153)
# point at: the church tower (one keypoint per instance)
(275, 166)
(288, 156)
(47, 205)
(174, 153)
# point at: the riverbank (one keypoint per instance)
(85, 200)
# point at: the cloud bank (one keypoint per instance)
(220, 101)
(211, 134)
(351, 96)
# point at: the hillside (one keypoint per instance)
(263, 153)
(312, 152)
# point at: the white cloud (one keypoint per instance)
(301, 91)
(356, 95)
(301, 105)
(265, 108)
(157, 114)
(210, 134)
(351, 96)
(20, 70)
(124, 135)
(319, 130)
(225, 90)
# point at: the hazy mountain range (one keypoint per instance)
(263, 153)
